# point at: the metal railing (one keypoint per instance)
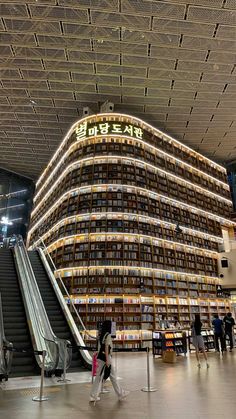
(47, 261)
(5, 352)
(43, 338)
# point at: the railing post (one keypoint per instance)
(64, 379)
(41, 397)
(148, 389)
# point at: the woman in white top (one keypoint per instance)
(105, 358)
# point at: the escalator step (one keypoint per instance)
(23, 345)
(20, 364)
(54, 311)
(11, 303)
(23, 337)
(8, 311)
(13, 320)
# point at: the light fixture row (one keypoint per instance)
(126, 216)
(89, 236)
(146, 192)
(139, 121)
(140, 268)
(103, 159)
(68, 152)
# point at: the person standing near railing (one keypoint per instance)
(104, 358)
(219, 333)
(229, 323)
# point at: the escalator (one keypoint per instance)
(14, 317)
(53, 308)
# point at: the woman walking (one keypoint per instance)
(198, 340)
(104, 360)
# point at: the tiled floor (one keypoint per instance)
(183, 392)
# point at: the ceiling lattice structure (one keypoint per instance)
(170, 62)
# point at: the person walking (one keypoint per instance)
(219, 333)
(197, 340)
(177, 324)
(163, 322)
(104, 358)
(229, 325)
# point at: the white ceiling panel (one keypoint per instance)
(170, 62)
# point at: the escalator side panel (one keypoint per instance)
(54, 311)
(14, 317)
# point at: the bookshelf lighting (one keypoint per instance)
(102, 159)
(150, 128)
(85, 218)
(41, 216)
(132, 219)
(159, 151)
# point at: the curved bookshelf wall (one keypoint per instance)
(107, 207)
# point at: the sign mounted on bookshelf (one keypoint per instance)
(86, 130)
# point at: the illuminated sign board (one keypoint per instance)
(86, 130)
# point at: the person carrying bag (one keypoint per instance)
(105, 366)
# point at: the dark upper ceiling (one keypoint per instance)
(170, 62)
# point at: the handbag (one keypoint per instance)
(106, 372)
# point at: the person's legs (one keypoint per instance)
(197, 356)
(115, 383)
(223, 342)
(230, 334)
(217, 342)
(205, 355)
(97, 384)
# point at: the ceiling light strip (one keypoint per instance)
(101, 115)
(107, 159)
(87, 236)
(11, 206)
(135, 188)
(128, 138)
(12, 194)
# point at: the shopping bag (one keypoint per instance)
(169, 356)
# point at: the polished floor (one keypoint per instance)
(183, 392)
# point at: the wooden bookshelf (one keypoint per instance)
(138, 313)
(108, 206)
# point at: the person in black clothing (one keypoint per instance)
(219, 333)
(197, 339)
(229, 324)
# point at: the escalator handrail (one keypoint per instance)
(48, 334)
(65, 289)
(70, 320)
(62, 344)
(5, 346)
(42, 340)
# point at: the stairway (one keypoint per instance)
(14, 317)
(54, 311)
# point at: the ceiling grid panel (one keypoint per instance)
(170, 62)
